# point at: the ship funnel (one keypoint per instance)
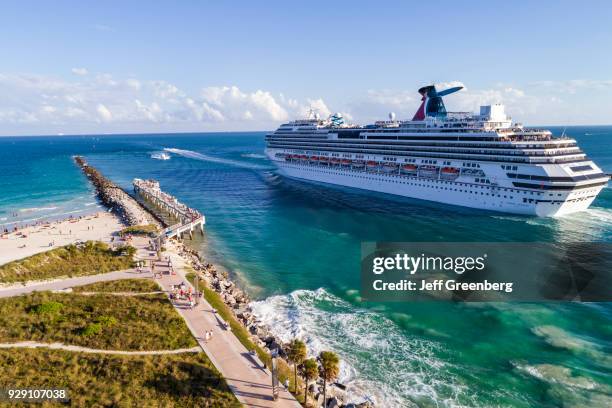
(432, 104)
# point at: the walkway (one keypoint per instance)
(249, 380)
(62, 284)
(61, 346)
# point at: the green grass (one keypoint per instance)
(182, 380)
(284, 370)
(148, 230)
(122, 285)
(89, 258)
(108, 322)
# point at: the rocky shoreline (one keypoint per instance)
(118, 201)
(239, 302)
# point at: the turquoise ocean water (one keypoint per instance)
(295, 247)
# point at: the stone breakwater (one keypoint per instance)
(114, 198)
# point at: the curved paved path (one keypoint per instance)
(61, 346)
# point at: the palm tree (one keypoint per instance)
(329, 369)
(296, 354)
(309, 369)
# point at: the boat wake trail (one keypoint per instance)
(204, 157)
(390, 368)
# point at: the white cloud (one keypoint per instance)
(537, 103)
(236, 104)
(80, 71)
(104, 113)
(103, 103)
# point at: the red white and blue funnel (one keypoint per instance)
(432, 104)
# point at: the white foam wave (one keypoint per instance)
(90, 204)
(253, 156)
(160, 156)
(377, 359)
(37, 209)
(204, 157)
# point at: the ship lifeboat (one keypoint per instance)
(314, 159)
(346, 162)
(335, 161)
(409, 168)
(323, 160)
(288, 157)
(389, 167)
(358, 164)
(372, 165)
(449, 172)
(428, 171)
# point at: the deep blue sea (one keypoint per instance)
(296, 248)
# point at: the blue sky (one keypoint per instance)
(98, 67)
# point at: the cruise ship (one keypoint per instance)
(482, 161)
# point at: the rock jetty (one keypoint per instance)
(117, 200)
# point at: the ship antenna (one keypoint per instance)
(563, 134)
(312, 113)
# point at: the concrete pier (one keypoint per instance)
(189, 218)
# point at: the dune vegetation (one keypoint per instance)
(120, 286)
(178, 380)
(147, 230)
(100, 321)
(88, 258)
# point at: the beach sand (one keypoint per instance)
(99, 227)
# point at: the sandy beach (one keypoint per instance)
(32, 240)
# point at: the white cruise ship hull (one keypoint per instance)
(446, 192)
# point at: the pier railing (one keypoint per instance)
(189, 218)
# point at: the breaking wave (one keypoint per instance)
(378, 361)
(204, 157)
(37, 209)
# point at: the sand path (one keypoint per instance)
(61, 346)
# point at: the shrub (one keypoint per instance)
(107, 321)
(48, 308)
(92, 329)
(147, 230)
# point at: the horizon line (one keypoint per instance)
(221, 131)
